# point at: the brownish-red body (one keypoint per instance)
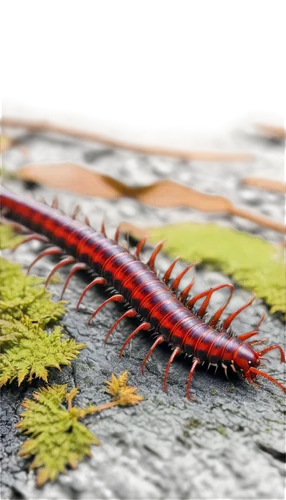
(139, 287)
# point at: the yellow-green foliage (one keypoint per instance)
(34, 351)
(8, 239)
(57, 437)
(250, 261)
(25, 309)
(22, 295)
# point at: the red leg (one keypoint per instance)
(116, 237)
(128, 314)
(96, 281)
(75, 212)
(196, 361)
(167, 274)
(114, 298)
(186, 291)
(251, 381)
(86, 220)
(265, 375)
(228, 321)
(143, 326)
(139, 247)
(55, 202)
(180, 276)
(207, 293)
(158, 341)
(217, 315)
(103, 227)
(31, 237)
(151, 261)
(271, 348)
(175, 353)
(256, 342)
(65, 262)
(78, 267)
(253, 332)
(48, 251)
(205, 303)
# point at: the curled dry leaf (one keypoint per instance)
(268, 184)
(72, 177)
(163, 194)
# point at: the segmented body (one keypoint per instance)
(138, 286)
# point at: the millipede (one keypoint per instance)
(157, 304)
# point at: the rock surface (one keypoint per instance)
(226, 444)
(229, 443)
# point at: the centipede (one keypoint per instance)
(158, 305)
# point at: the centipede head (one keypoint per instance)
(253, 372)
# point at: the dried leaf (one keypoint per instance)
(268, 184)
(165, 194)
(72, 177)
(160, 194)
(271, 131)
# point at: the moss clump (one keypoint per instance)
(24, 296)
(191, 427)
(8, 239)
(27, 350)
(222, 431)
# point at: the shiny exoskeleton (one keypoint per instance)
(158, 304)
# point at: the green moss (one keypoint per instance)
(222, 431)
(8, 239)
(26, 308)
(24, 296)
(191, 427)
(57, 438)
(252, 262)
(33, 352)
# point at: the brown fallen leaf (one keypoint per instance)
(271, 131)
(163, 194)
(74, 178)
(268, 184)
(168, 194)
